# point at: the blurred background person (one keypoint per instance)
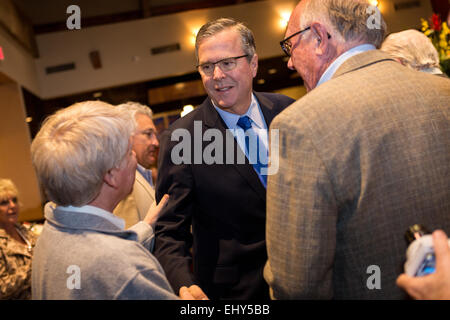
(414, 50)
(145, 145)
(16, 246)
(84, 159)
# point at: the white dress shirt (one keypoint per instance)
(332, 68)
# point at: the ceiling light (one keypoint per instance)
(180, 86)
(284, 19)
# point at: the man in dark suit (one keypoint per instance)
(221, 197)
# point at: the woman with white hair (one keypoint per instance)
(16, 246)
(414, 50)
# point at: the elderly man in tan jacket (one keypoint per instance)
(362, 156)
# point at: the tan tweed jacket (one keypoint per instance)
(15, 265)
(361, 158)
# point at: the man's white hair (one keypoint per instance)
(77, 146)
(136, 108)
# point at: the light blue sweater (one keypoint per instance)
(85, 256)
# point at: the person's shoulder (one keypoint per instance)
(113, 248)
(187, 121)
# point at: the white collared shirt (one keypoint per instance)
(332, 68)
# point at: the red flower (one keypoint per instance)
(436, 22)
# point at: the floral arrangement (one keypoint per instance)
(439, 34)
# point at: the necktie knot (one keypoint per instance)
(244, 122)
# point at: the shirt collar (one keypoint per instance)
(253, 112)
(432, 70)
(332, 68)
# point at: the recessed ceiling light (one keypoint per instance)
(186, 109)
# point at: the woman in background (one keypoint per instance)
(16, 246)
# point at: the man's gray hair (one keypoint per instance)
(414, 49)
(77, 146)
(135, 108)
(216, 26)
(350, 19)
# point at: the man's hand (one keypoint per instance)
(434, 286)
(155, 211)
(192, 293)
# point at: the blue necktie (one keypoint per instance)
(246, 124)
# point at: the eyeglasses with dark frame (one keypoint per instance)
(286, 45)
(225, 65)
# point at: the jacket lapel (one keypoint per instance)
(362, 60)
(213, 120)
(267, 108)
(144, 183)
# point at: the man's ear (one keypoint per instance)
(322, 38)
(254, 65)
(110, 178)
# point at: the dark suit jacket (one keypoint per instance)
(224, 203)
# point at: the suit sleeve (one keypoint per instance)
(301, 220)
(173, 228)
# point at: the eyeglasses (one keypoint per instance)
(5, 202)
(225, 65)
(286, 45)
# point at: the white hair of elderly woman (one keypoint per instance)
(413, 49)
